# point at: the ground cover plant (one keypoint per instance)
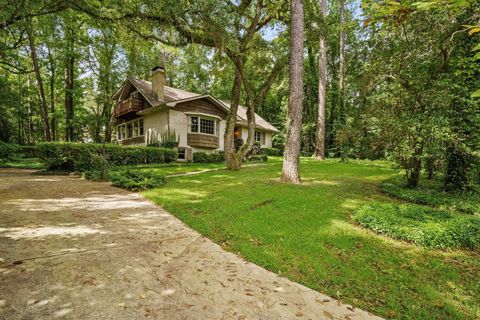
(431, 192)
(136, 180)
(421, 225)
(315, 242)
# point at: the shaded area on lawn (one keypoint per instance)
(304, 232)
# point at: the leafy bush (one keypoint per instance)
(271, 152)
(98, 168)
(203, 157)
(8, 151)
(136, 180)
(430, 192)
(258, 158)
(78, 156)
(420, 225)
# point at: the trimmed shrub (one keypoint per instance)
(203, 157)
(258, 158)
(274, 152)
(136, 180)
(420, 225)
(78, 156)
(8, 151)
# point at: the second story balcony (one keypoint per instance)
(127, 106)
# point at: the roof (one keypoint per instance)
(174, 96)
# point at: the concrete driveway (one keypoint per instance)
(77, 249)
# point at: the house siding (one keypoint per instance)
(155, 123)
(268, 137)
(201, 106)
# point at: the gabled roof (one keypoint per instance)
(174, 96)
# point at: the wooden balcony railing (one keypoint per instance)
(127, 106)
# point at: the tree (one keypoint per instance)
(290, 171)
(41, 89)
(322, 87)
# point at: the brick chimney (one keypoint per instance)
(158, 82)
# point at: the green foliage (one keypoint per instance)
(78, 156)
(8, 151)
(136, 180)
(274, 152)
(463, 169)
(203, 157)
(429, 227)
(431, 192)
(98, 169)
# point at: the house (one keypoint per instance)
(145, 112)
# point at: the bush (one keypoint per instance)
(273, 152)
(430, 192)
(420, 225)
(258, 158)
(98, 168)
(136, 180)
(8, 151)
(78, 156)
(203, 157)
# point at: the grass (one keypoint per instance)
(305, 233)
(425, 226)
(172, 168)
(23, 163)
(430, 192)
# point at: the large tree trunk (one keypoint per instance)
(41, 91)
(290, 172)
(322, 88)
(69, 83)
(53, 123)
(341, 76)
(231, 157)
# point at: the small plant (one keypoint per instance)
(271, 151)
(136, 180)
(98, 168)
(258, 158)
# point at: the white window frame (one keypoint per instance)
(122, 129)
(200, 117)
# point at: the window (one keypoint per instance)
(135, 128)
(141, 126)
(260, 137)
(207, 126)
(194, 127)
(202, 125)
(130, 129)
(182, 153)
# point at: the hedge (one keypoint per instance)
(258, 158)
(8, 151)
(271, 152)
(78, 156)
(203, 157)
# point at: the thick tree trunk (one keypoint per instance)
(41, 91)
(69, 84)
(233, 163)
(53, 123)
(290, 171)
(322, 88)
(341, 76)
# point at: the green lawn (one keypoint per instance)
(173, 168)
(305, 233)
(23, 163)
